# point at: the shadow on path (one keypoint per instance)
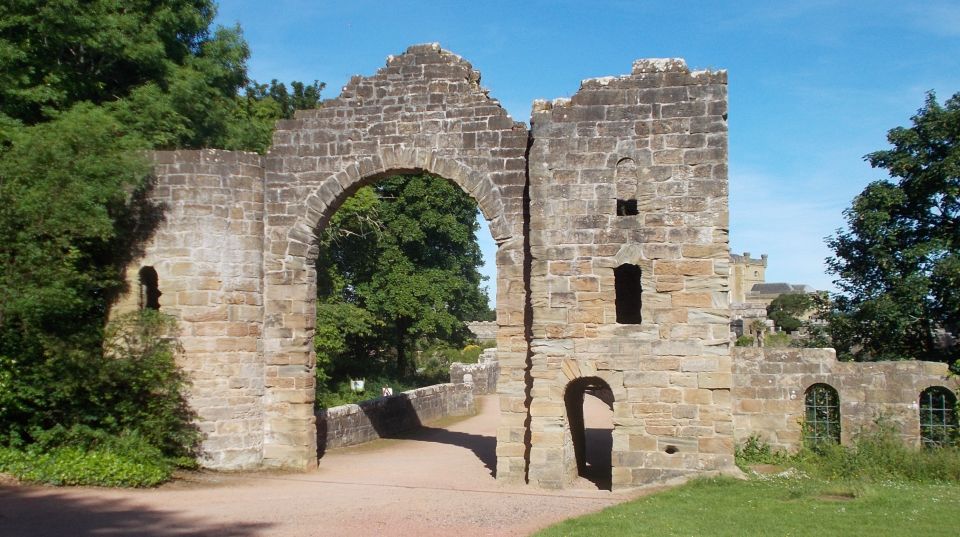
(484, 447)
(39, 512)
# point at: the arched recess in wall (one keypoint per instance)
(938, 416)
(589, 405)
(626, 183)
(149, 289)
(821, 415)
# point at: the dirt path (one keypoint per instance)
(436, 482)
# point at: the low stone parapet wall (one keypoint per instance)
(384, 417)
(481, 377)
(769, 388)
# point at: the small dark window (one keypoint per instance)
(149, 289)
(822, 424)
(938, 417)
(627, 281)
(626, 207)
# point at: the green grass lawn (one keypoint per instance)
(780, 506)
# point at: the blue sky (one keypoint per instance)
(813, 85)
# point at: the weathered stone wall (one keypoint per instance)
(483, 331)
(656, 138)
(770, 384)
(208, 256)
(482, 375)
(348, 425)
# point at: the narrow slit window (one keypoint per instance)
(628, 289)
(149, 289)
(938, 417)
(822, 423)
(627, 208)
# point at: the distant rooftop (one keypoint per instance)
(779, 288)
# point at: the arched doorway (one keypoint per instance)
(589, 406)
(298, 289)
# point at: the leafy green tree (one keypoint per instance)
(66, 193)
(156, 64)
(404, 252)
(256, 113)
(786, 311)
(898, 263)
(85, 87)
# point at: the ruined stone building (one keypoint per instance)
(613, 272)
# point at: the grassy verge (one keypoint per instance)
(796, 506)
(877, 487)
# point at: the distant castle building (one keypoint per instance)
(750, 294)
(745, 272)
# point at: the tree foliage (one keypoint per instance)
(255, 114)
(786, 311)
(85, 87)
(898, 263)
(398, 262)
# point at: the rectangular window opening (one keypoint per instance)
(627, 208)
(628, 289)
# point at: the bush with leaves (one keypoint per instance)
(132, 386)
(121, 411)
(85, 89)
(86, 456)
(877, 453)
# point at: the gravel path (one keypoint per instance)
(437, 482)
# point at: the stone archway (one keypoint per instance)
(425, 111)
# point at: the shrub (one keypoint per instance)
(341, 394)
(132, 384)
(755, 450)
(877, 454)
(146, 386)
(744, 341)
(470, 354)
(880, 454)
(114, 417)
(777, 340)
(98, 459)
